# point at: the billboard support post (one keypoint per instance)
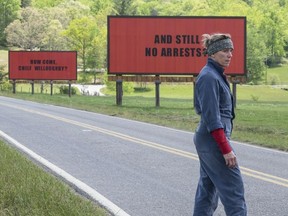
(14, 86)
(32, 87)
(157, 90)
(51, 87)
(119, 90)
(235, 80)
(69, 82)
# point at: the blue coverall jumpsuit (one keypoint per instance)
(214, 103)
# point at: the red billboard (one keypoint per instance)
(43, 65)
(170, 45)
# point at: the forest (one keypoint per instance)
(82, 25)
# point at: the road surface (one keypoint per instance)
(144, 169)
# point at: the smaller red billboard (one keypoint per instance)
(43, 65)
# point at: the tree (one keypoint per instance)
(28, 31)
(124, 7)
(46, 3)
(25, 3)
(256, 56)
(96, 55)
(8, 12)
(66, 12)
(53, 40)
(80, 35)
(273, 23)
(101, 5)
(72, 9)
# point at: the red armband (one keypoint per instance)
(221, 140)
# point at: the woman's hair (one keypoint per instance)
(215, 42)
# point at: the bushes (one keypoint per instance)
(65, 90)
(5, 86)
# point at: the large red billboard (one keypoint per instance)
(43, 65)
(170, 45)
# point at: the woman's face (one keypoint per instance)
(223, 57)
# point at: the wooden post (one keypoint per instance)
(157, 90)
(69, 88)
(119, 90)
(51, 87)
(32, 86)
(14, 86)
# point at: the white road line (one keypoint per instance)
(111, 207)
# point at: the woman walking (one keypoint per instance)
(220, 175)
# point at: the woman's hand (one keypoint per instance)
(230, 159)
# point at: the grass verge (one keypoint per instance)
(28, 190)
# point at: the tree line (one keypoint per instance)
(82, 25)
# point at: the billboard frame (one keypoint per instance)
(113, 72)
(52, 66)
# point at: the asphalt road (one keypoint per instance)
(142, 168)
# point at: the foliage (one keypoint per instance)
(53, 39)
(124, 7)
(46, 3)
(25, 3)
(267, 32)
(80, 35)
(4, 82)
(28, 31)
(99, 6)
(98, 51)
(8, 12)
(5, 86)
(65, 90)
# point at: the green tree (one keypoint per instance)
(66, 12)
(96, 57)
(28, 31)
(25, 3)
(124, 7)
(8, 13)
(72, 9)
(46, 3)
(98, 6)
(53, 39)
(80, 35)
(273, 23)
(256, 57)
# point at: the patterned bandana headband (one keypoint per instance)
(219, 45)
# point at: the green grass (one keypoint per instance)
(264, 124)
(28, 190)
(278, 75)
